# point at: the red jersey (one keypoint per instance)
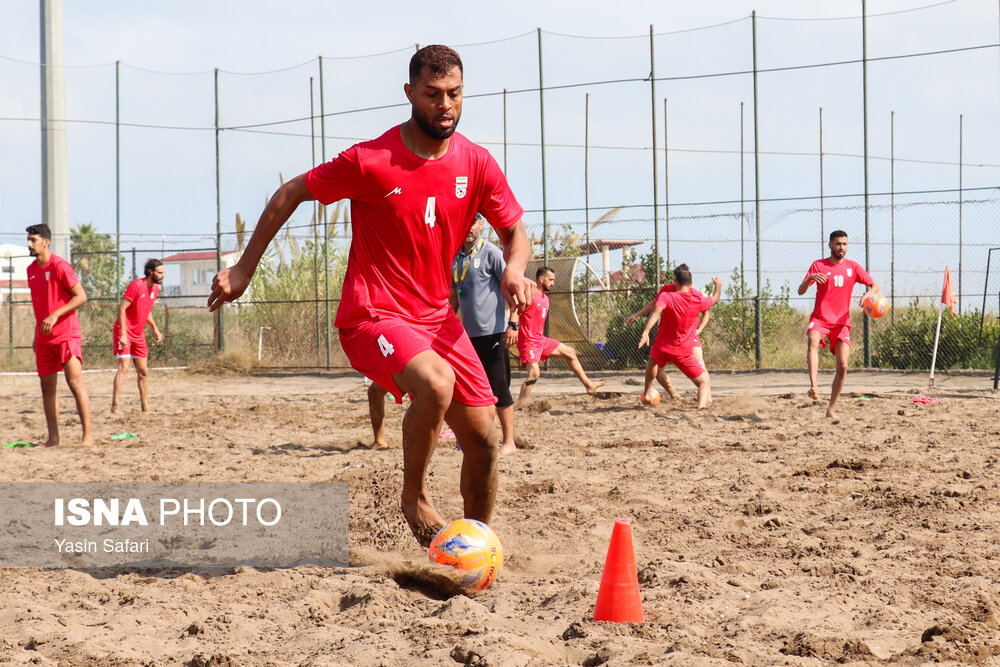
(672, 287)
(533, 320)
(679, 320)
(833, 298)
(138, 311)
(50, 287)
(410, 217)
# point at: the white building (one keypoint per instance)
(196, 272)
(14, 260)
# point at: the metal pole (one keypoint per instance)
(666, 183)
(220, 340)
(541, 114)
(822, 199)
(10, 306)
(312, 146)
(326, 227)
(118, 179)
(892, 216)
(996, 366)
(505, 132)
(743, 219)
(586, 192)
(656, 200)
(758, 323)
(961, 194)
(864, 113)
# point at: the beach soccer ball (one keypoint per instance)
(876, 306)
(472, 548)
(652, 397)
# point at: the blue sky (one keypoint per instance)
(169, 50)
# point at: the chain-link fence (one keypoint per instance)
(734, 147)
(285, 319)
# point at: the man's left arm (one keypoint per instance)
(156, 331)
(866, 279)
(515, 288)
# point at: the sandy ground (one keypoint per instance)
(764, 533)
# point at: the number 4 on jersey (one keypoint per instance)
(385, 346)
(429, 217)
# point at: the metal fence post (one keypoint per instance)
(219, 342)
(326, 227)
(758, 323)
(118, 178)
(541, 121)
(656, 199)
(864, 104)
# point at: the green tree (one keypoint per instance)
(95, 261)
(734, 322)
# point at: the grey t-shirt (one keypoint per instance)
(478, 284)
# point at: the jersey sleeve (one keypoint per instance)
(864, 277)
(499, 206)
(662, 299)
(813, 268)
(131, 292)
(705, 304)
(66, 275)
(340, 178)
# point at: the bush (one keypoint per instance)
(909, 343)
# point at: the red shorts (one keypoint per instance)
(686, 363)
(381, 348)
(537, 351)
(835, 332)
(51, 357)
(136, 348)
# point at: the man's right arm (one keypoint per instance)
(122, 321)
(229, 284)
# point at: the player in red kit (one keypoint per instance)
(56, 293)
(414, 193)
(134, 312)
(678, 312)
(835, 277)
(534, 347)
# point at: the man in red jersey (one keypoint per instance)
(134, 312)
(414, 193)
(835, 277)
(661, 375)
(678, 312)
(56, 293)
(534, 348)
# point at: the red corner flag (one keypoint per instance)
(948, 292)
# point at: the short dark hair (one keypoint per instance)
(151, 265)
(682, 275)
(436, 59)
(837, 233)
(40, 229)
(542, 270)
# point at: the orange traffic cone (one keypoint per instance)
(618, 598)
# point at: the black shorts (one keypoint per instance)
(496, 361)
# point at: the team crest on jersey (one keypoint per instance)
(461, 186)
(848, 273)
(475, 263)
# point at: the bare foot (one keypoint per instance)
(87, 442)
(507, 448)
(831, 414)
(378, 444)
(50, 443)
(674, 396)
(115, 410)
(424, 521)
(813, 394)
(594, 386)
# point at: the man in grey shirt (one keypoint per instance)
(475, 295)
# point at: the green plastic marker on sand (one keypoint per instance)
(19, 443)
(124, 436)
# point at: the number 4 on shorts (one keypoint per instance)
(385, 346)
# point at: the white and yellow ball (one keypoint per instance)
(472, 548)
